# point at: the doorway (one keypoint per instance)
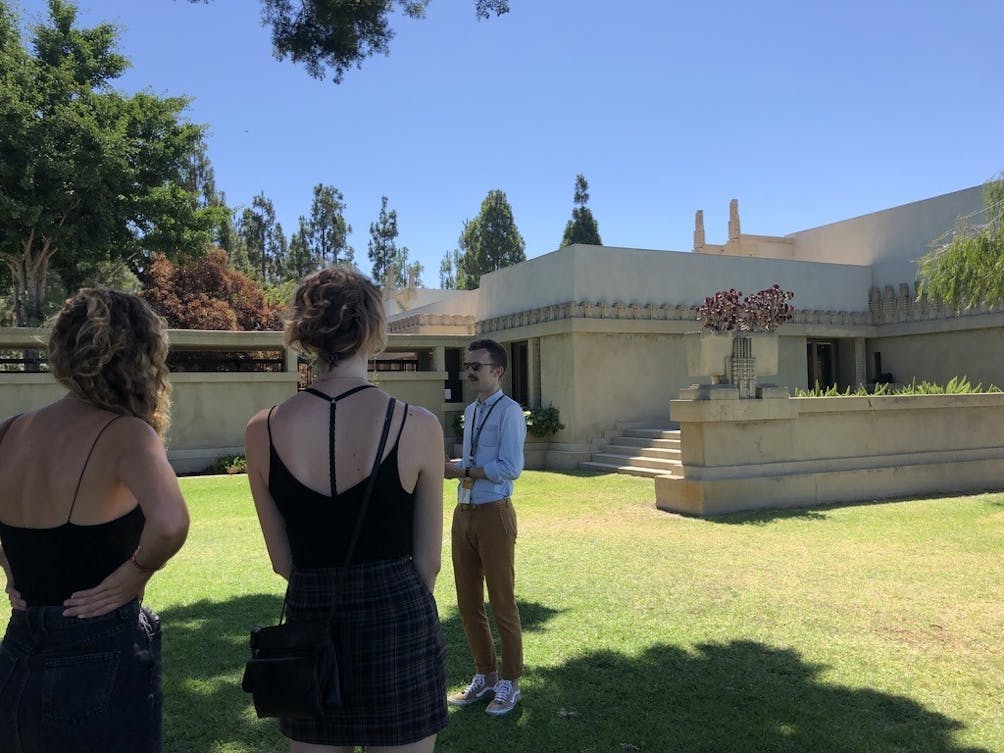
(822, 363)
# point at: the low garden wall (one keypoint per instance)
(799, 452)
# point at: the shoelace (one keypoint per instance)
(476, 684)
(503, 689)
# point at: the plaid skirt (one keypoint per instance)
(398, 674)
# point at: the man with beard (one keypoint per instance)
(484, 530)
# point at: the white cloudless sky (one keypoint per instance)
(807, 113)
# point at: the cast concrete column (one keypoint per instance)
(533, 371)
(439, 358)
(860, 362)
(292, 358)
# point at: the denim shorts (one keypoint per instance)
(81, 685)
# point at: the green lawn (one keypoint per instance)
(859, 629)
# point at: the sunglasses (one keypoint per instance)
(476, 365)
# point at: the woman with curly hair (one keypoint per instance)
(89, 510)
(308, 461)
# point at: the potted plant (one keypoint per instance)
(707, 352)
(727, 315)
(763, 312)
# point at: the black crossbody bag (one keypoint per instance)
(302, 669)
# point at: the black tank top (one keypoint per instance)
(50, 564)
(319, 526)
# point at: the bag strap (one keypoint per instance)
(370, 484)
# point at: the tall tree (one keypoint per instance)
(199, 177)
(968, 270)
(489, 242)
(87, 174)
(340, 34)
(448, 270)
(301, 261)
(383, 249)
(582, 228)
(329, 232)
(260, 237)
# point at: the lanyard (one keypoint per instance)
(477, 434)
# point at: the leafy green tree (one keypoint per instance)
(582, 228)
(328, 231)
(383, 249)
(302, 260)
(199, 177)
(968, 270)
(262, 240)
(448, 270)
(340, 34)
(488, 242)
(87, 174)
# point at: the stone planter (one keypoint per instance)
(706, 353)
(765, 346)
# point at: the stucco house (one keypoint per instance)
(599, 332)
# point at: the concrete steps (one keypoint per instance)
(648, 452)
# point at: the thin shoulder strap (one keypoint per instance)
(10, 423)
(371, 483)
(86, 461)
(400, 431)
(268, 423)
(340, 395)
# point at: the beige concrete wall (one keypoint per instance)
(600, 273)
(939, 356)
(892, 239)
(800, 452)
(209, 413)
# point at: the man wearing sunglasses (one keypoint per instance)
(484, 530)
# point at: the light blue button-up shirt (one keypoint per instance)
(499, 448)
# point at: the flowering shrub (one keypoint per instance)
(767, 310)
(721, 312)
(728, 311)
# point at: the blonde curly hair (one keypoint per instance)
(110, 349)
(336, 313)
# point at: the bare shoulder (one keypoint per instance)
(258, 422)
(135, 433)
(422, 419)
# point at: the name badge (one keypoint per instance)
(464, 494)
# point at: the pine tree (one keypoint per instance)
(489, 242)
(582, 228)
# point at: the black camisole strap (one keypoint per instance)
(331, 427)
(86, 461)
(401, 430)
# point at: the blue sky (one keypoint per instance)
(807, 113)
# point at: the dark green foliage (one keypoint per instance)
(582, 228)
(327, 229)
(543, 422)
(340, 34)
(384, 251)
(263, 243)
(489, 242)
(88, 176)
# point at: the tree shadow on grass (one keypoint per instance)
(205, 648)
(737, 697)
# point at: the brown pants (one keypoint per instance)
(484, 550)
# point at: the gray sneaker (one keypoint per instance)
(478, 690)
(505, 698)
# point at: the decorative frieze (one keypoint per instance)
(416, 322)
(885, 306)
(904, 303)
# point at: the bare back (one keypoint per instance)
(301, 436)
(64, 451)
